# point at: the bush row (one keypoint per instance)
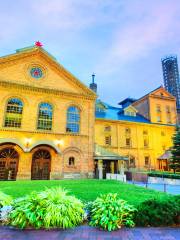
(164, 175)
(54, 208)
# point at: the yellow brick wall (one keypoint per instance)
(137, 149)
(153, 102)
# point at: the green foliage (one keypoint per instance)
(110, 213)
(164, 175)
(48, 209)
(175, 159)
(158, 212)
(5, 200)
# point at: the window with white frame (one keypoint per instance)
(45, 116)
(13, 114)
(73, 120)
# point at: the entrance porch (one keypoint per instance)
(109, 165)
(163, 161)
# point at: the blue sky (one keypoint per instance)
(122, 41)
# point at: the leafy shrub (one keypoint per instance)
(110, 213)
(5, 199)
(47, 209)
(158, 212)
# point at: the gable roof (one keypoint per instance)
(130, 107)
(152, 92)
(33, 50)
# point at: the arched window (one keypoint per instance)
(13, 115)
(73, 120)
(45, 116)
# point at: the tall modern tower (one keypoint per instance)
(171, 77)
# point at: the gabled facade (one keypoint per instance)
(47, 120)
(159, 106)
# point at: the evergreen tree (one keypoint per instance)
(175, 151)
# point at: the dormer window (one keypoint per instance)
(130, 111)
(100, 107)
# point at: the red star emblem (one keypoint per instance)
(38, 44)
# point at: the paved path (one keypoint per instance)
(86, 232)
(172, 189)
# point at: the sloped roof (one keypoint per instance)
(124, 101)
(104, 154)
(165, 156)
(115, 113)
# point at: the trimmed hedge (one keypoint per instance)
(164, 175)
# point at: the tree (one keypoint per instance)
(175, 151)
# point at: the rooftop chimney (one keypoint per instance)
(93, 85)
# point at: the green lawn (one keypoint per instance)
(86, 190)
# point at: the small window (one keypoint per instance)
(168, 109)
(145, 132)
(108, 140)
(146, 160)
(127, 130)
(168, 118)
(162, 133)
(107, 128)
(164, 147)
(128, 142)
(71, 161)
(132, 161)
(158, 108)
(159, 118)
(146, 143)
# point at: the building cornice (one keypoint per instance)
(42, 132)
(10, 84)
(132, 123)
